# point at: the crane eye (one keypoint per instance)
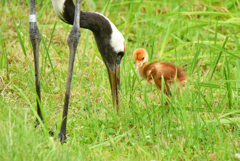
(119, 57)
(143, 58)
(120, 54)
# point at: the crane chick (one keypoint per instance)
(155, 72)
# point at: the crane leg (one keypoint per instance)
(35, 38)
(73, 40)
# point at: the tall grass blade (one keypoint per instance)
(48, 56)
(218, 57)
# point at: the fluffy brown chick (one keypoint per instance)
(155, 72)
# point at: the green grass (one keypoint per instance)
(202, 37)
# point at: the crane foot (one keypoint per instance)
(62, 137)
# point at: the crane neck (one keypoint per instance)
(89, 20)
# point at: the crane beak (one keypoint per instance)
(114, 78)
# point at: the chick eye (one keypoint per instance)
(143, 58)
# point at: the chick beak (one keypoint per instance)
(139, 64)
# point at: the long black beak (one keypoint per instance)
(114, 78)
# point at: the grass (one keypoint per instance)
(202, 37)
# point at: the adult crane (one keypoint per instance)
(110, 43)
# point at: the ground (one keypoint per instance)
(201, 37)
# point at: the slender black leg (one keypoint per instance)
(73, 40)
(35, 38)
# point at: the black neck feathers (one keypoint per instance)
(93, 21)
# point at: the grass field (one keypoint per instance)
(202, 37)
